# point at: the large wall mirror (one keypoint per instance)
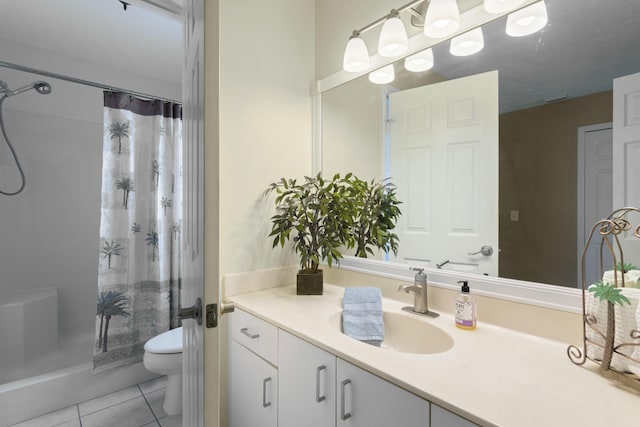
(555, 93)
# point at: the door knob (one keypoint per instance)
(486, 250)
(193, 312)
(227, 307)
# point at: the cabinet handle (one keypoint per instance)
(343, 414)
(245, 331)
(318, 397)
(265, 404)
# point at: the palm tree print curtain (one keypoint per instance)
(138, 287)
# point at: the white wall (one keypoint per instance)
(266, 71)
(49, 233)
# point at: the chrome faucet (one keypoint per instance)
(420, 302)
(419, 289)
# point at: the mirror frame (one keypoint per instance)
(539, 294)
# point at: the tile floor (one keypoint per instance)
(137, 406)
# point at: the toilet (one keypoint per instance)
(163, 355)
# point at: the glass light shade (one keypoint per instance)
(500, 6)
(356, 56)
(382, 76)
(468, 43)
(421, 61)
(393, 39)
(442, 19)
(528, 20)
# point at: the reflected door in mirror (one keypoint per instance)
(443, 156)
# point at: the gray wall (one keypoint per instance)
(49, 233)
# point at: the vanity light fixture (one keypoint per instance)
(442, 18)
(500, 6)
(393, 40)
(356, 55)
(528, 20)
(468, 43)
(383, 75)
(421, 61)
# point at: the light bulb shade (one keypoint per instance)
(442, 19)
(393, 40)
(501, 6)
(383, 75)
(468, 43)
(527, 21)
(356, 56)
(421, 61)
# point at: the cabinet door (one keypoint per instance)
(364, 400)
(253, 389)
(442, 418)
(307, 381)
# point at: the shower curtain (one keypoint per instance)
(139, 253)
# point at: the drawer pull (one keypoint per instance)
(265, 404)
(343, 414)
(245, 331)
(319, 398)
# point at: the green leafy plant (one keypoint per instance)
(626, 267)
(376, 212)
(316, 214)
(608, 292)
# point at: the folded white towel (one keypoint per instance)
(630, 278)
(625, 323)
(362, 315)
(598, 309)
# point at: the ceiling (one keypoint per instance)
(586, 44)
(142, 39)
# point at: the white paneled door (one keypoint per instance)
(595, 180)
(443, 151)
(626, 154)
(192, 230)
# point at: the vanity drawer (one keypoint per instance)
(257, 335)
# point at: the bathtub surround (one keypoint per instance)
(138, 291)
(28, 329)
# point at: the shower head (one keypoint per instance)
(41, 87)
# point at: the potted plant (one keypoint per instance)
(376, 213)
(316, 215)
(325, 216)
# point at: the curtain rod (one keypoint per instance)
(82, 82)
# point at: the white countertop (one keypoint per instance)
(492, 375)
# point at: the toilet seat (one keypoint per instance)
(165, 343)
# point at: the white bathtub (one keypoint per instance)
(28, 325)
(42, 370)
(32, 397)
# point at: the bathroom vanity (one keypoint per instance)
(290, 365)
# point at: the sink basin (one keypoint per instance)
(408, 334)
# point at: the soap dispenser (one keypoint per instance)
(465, 308)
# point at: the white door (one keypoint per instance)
(444, 159)
(626, 154)
(595, 169)
(193, 225)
